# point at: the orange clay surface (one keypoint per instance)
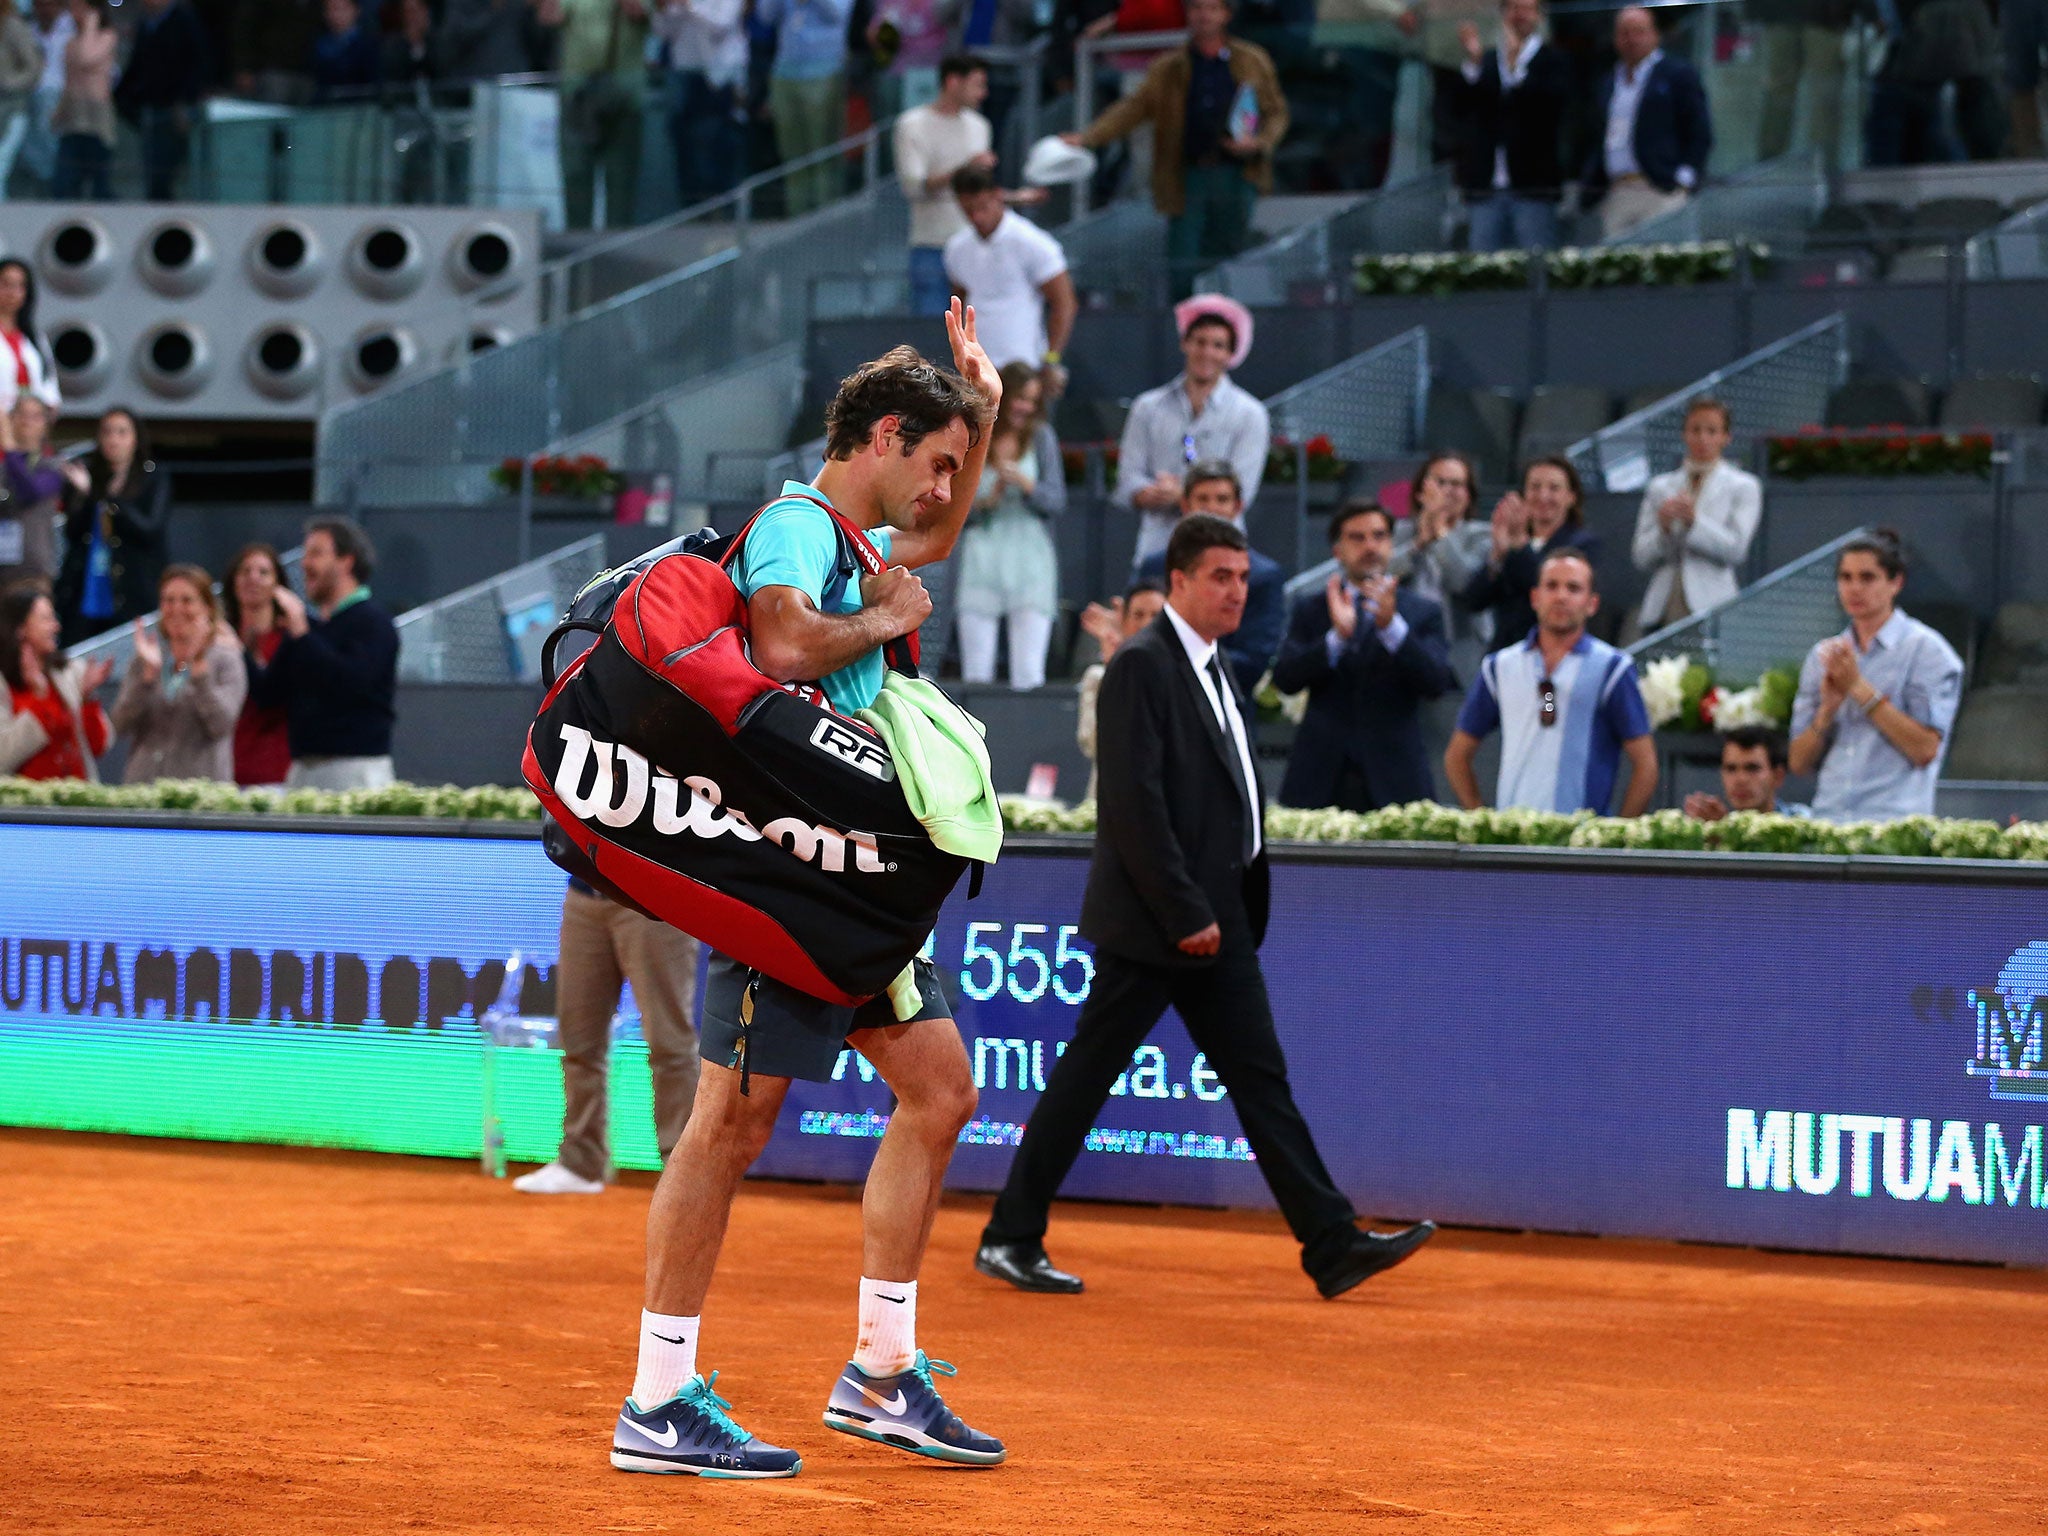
(238, 1340)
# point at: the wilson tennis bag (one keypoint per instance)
(680, 780)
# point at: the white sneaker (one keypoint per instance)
(554, 1179)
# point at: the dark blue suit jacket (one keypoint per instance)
(1365, 710)
(1673, 127)
(1250, 651)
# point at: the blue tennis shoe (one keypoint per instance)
(693, 1433)
(906, 1411)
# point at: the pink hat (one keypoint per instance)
(1228, 310)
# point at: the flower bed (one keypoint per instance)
(1682, 693)
(585, 477)
(1324, 467)
(1422, 822)
(1621, 266)
(1889, 452)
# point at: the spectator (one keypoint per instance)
(1200, 415)
(479, 39)
(1368, 654)
(166, 73)
(114, 531)
(807, 93)
(1440, 25)
(1212, 487)
(84, 118)
(1009, 568)
(707, 113)
(21, 69)
(55, 728)
(932, 142)
(184, 690)
(602, 45)
(1439, 547)
(336, 672)
(31, 493)
(1802, 40)
(1567, 707)
(26, 367)
(2024, 24)
(1753, 764)
(54, 30)
(1511, 104)
(1547, 513)
(272, 46)
(1875, 702)
(410, 64)
(1111, 625)
(263, 748)
(603, 946)
(1217, 115)
(1695, 524)
(1932, 44)
(912, 35)
(346, 58)
(1655, 132)
(1015, 276)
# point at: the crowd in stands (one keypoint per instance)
(1531, 112)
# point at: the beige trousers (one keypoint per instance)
(1629, 203)
(603, 946)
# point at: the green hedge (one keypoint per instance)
(1621, 266)
(1422, 822)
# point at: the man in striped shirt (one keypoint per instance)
(1566, 705)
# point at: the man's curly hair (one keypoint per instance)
(923, 397)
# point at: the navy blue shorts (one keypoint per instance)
(793, 1033)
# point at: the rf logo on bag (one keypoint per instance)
(850, 747)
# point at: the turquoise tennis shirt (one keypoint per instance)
(794, 544)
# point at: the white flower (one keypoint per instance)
(1740, 709)
(1663, 688)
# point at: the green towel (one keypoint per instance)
(941, 764)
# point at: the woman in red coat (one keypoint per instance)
(55, 728)
(263, 752)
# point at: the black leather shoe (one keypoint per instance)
(1026, 1267)
(1373, 1252)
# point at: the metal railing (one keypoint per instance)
(1773, 622)
(118, 644)
(492, 632)
(1313, 263)
(1775, 202)
(2016, 248)
(1777, 388)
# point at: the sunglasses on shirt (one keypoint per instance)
(1546, 690)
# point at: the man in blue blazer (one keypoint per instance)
(1212, 486)
(1655, 130)
(1368, 653)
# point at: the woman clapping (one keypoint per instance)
(183, 692)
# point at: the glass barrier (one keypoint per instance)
(117, 645)
(492, 632)
(2016, 248)
(1772, 623)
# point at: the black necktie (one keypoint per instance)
(1246, 792)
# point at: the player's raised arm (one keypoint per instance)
(933, 541)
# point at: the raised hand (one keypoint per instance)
(969, 360)
(1701, 806)
(1381, 594)
(148, 654)
(1343, 616)
(97, 673)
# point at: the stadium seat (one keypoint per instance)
(1480, 422)
(1880, 401)
(2000, 734)
(1955, 219)
(1559, 415)
(1919, 264)
(1992, 400)
(2017, 648)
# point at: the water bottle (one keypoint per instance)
(660, 500)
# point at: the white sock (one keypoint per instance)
(668, 1357)
(888, 1326)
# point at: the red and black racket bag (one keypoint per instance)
(679, 779)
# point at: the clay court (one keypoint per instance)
(242, 1340)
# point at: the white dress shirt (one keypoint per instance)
(1621, 116)
(1200, 652)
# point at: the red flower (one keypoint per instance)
(1320, 447)
(1710, 705)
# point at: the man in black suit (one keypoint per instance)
(1655, 131)
(1369, 654)
(1176, 908)
(1511, 102)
